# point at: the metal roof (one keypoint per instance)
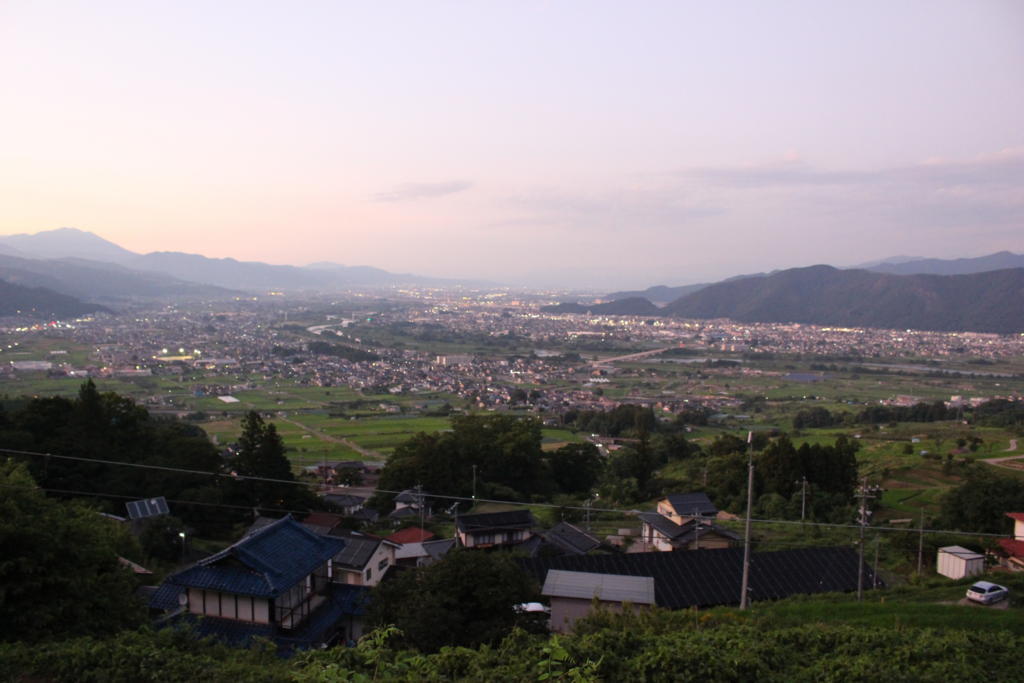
(496, 521)
(961, 552)
(357, 552)
(712, 577)
(638, 590)
(572, 539)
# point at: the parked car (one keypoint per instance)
(987, 593)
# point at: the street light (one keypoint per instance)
(181, 534)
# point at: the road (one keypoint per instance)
(1012, 462)
(631, 356)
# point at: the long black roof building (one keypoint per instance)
(709, 578)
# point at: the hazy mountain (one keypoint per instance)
(631, 306)
(960, 266)
(659, 294)
(902, 258)
(98, 281)
(41, 302)
(823, 295)
(66, 243)
(227, 272)
(193, 269)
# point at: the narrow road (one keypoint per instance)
(365, 452)
(1012, 462)
(631, 356)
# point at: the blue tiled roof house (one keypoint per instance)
(277, 583)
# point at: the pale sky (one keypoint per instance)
(584, 143)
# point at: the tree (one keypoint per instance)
(981, 503)
(466, 599)
(575, 467)
(261, 455)
(59, 568)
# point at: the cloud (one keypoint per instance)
(415, 191)
(1002, 168)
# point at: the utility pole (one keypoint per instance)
(864, 493)
(874, 571)
(803, 497)
(744, 599)
(696, 527)
(474, 483)
(920, 545)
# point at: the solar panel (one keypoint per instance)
(150, 507)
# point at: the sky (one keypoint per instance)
(583, 144)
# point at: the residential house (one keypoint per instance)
(410, 541)
(661, 533)
(682, 507)
(276, 582)
(490, 529)
(349, 504)
(1013, 548)
(364, 560)
(572, 595)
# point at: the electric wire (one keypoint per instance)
(316, 485)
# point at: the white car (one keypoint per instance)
(987, 593)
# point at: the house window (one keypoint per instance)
(382, 565)
(369, 573)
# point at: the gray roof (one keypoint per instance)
(344, 500)
(961, 552)
(571, 538)
(438, 549)
(638, 590)
(357, 552)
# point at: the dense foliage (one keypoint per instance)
(465, 600)
(506, 452)
(59, 569)
(655, 646)
(981, 503)
(146, 457)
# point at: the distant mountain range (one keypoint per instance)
(631, 306)
(960, 266)
(72, 260)
(40, 302)
(982, 302)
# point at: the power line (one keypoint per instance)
(581, 508)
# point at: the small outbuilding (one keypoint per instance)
(959, 563)
(573, 594)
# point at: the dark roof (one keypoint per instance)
(571, 539)
(707, 578)
(264, 564)
(410, 496)
(692, 504)
(683, 534)
(366, 515)
(662, 524)
(344, 500)
(496, 521)
(165, 597)
(438, 549)
(357, 552)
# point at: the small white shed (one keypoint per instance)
(958, 563)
